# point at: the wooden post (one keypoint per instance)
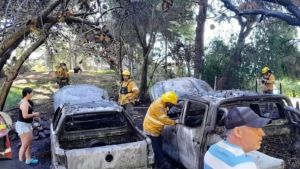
(280, 88)
(215, 83)
(294, 94)
(256, 85)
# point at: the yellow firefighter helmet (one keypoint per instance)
(170, 97)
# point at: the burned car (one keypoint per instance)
(201, 116)
(90, 131)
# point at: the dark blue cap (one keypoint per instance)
(244, 116)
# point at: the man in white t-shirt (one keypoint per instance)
(244, 135)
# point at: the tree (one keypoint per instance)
(14, 69)
(143, 22)
(286, 10)
(274, 45)
(32, 20)
(199, 40)
(271, 44)
(229, 79)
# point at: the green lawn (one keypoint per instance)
(13, 98)
(15, 94)
(290, 87)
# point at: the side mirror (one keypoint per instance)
(57, 110)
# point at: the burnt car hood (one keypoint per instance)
(80, 93)
(182, 86)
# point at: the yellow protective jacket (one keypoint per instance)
(269, 82)
(156, 118)
(131, 96)
(62, 73)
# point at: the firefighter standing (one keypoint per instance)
(268, 80)
(129, 92)
(62, 75)
(154, 122)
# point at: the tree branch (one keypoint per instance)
(139, 36)
(292, 19)
(54, 19)
(16, 67)
(289, 5)
(23, 31)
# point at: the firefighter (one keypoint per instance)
(62, 75)
(154, 122)
(5, 147)
(268, 80)
(128, 92)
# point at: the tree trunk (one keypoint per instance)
(230, 78)
(199, 41)
(48, 57)
(17, 66)
(189, 68)
(144, 73)
(188, 55)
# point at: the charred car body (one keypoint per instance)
(90, 131)
(201, 112)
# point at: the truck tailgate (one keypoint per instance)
(121, 156)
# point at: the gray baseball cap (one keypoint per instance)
(244, 116)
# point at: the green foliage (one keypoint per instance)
(101, 72)
(13, 98)
(216, 60)
(39, 68)
(290, 87)
(271, 45)
(274, 46)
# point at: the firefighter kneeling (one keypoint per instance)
(128, 92)
(154, 122)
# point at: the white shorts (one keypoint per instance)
(22, 127)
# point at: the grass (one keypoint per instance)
(13, 98)
(290, 87)
(100, 72)
(15, 93)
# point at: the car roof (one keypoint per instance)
(221, 96)
(181, 85)
(79, 93)
(196, 89)
(90, 107)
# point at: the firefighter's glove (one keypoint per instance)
(177, 121)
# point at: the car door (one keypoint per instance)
(293, 115)
(55, 150)
(190, 133)
(169, 135)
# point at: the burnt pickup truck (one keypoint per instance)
(90, 131)
(201, 112)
